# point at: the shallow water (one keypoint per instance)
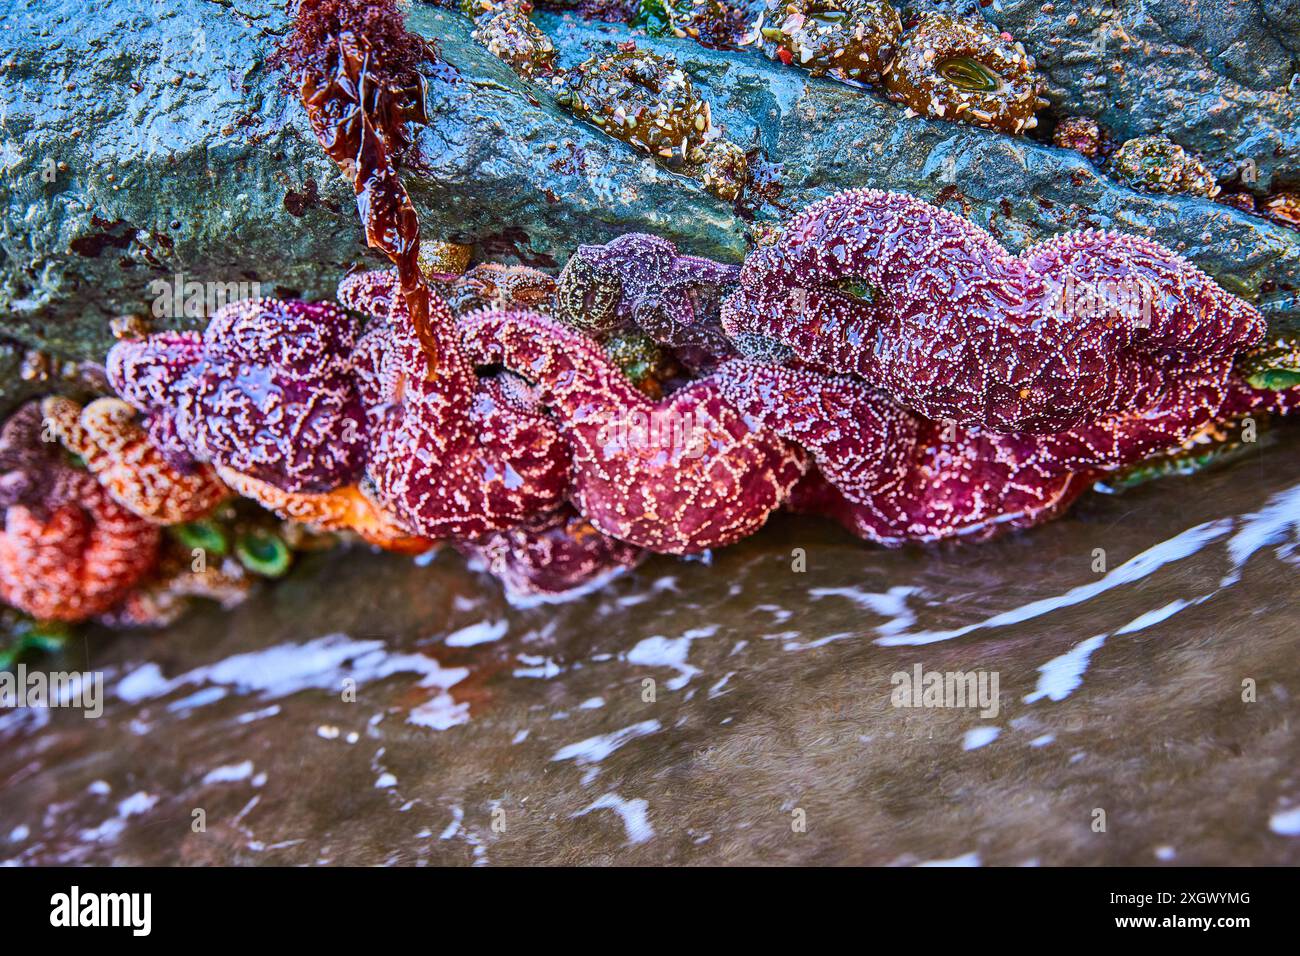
(369, 710)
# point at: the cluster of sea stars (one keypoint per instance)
(882, 363)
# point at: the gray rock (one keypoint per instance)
(175, 150)
(1220, 77)
(145, 140)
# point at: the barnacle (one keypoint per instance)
(716, 24)
(443, 258)
(725, 169)
(512, 38)
(490, 284)
(477, 8)
(1079, 133)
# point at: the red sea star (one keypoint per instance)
(680, 475)
(552, 555)
(145, 373)
(268, 392)
(67, 551)
(893, 477)
(452, 456)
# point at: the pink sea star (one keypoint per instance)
(680, 475)
(641, 281)
(269, 394)
(145, 373)
(933, 311)
(553, 554)
(452, 456)
(891, 476)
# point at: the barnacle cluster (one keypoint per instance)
(641, 98)
(478, 8)
(490, 284)
(965, 70)
(637, 96)
(649, 102)
(1158, 164)
(850, 39)
(1082, 134)
(716, 24)
(939, 66)
(724, 169)
(513, 38)
(1284, 207)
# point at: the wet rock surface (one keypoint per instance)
(1218, 76)
(145, 141)
(368, 710)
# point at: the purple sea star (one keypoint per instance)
(641, 281)
(933, 311)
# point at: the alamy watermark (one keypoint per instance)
(1127, 299)
(177, 296)
(77, 690)
(75, 908)
(641, 430)
(921, 688)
